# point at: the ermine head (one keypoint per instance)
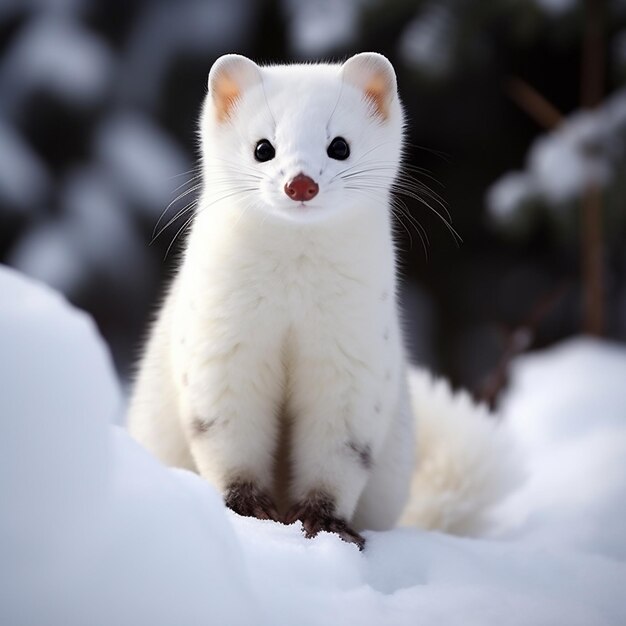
(302, 141)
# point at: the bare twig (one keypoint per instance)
(532, 102)
(520, 339)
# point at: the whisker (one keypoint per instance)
(401, 177)
(438, 153)
(236, 166)
(176, 199)
(193, 170)
(408, 231)
(396, 206)
(359, 162)
(188, 181)
(399, 209)
(178, 232)
(391, 166)
(457, 238)
(407, 189)
(403, 183)
(188, 207)
(413, 220)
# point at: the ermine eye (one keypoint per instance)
(264, 151)
(338, 149)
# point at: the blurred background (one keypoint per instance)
(517, 115)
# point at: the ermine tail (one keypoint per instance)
(466, 461)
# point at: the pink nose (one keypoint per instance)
(301, 188)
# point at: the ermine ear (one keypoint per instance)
(374, 75)
(229, 77)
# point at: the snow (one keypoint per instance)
(568, 411)
(94, 530)
(577, 155)
(556, 8)
(169, 31)
(509, 198)
(319, 26)
(46, 252)
(92, 236)
(587, 149)
(142, 160)
(9, 7)
(55, 54)
(426, 41)
(24, 179)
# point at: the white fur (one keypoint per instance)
(285, 309)
(467, 462)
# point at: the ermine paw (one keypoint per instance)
(246, 499)
(317, 513)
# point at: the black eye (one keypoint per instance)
(264, 151)
(338, 149)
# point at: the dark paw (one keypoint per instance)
(246, 499)
(317, 513)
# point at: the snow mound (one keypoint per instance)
(567, 411)
(95, 531)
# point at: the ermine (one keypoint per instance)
(275, 368)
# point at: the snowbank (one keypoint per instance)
(567, 410)
(95, 531)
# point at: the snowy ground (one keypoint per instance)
(94, 531)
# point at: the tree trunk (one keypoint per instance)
(592, 88)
